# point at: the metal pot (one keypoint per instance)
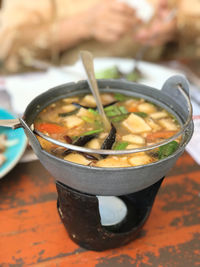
(174, 96)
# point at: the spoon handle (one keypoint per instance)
(87, 60)
(12, 123)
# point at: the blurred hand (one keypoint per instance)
(161, 29)
(110, 20)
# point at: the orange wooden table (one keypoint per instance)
(31, 232)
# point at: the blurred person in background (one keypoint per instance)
(59, 29)
(185, 33)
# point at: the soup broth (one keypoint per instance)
(135, 122)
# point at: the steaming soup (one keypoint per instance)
(135, 123)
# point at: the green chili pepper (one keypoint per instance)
(110, 108)
(112, 111)
(119, 118)
(93, 132)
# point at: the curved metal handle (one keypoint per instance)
(12, 123)
(173, 82)
(177, 87)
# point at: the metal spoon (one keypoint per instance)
(87, 60)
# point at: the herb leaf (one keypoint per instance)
(120, 97)
(92, 132)
(93, 111)
(109, 73)
(167, 150)
(120, 145)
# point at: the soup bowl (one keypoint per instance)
(174, 97)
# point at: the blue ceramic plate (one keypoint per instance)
(12, 153)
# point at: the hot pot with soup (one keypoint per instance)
(113, 174)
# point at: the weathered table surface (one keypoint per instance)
(31, 232)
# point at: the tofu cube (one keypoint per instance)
(139, 159)
(159, 115)
(168, 124)
(84, 112)
(107, 98)
(134, 139)
(77, 158)
(73, 121)
(147, 108)
(155, 126)
(94, 144)
(89, 101)
(68, 108)
(70, 100)
(113, 162)
(136, 124)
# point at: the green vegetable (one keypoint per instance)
(123, 110)
(120, 145)
(112, 111)
(119, 118)
(109, 108)
(120, 97)
(133, 76)
(87, 119)
(65, 114)
(98, 123)
(93, 111)
(168, 149)
(116, 113)
(93, 132)
(141, 114)
(110, 73)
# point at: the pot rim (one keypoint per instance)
(128, 151)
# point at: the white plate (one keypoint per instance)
(154, 75)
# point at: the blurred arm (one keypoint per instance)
(37, 30)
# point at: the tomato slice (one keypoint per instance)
(50, 128)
